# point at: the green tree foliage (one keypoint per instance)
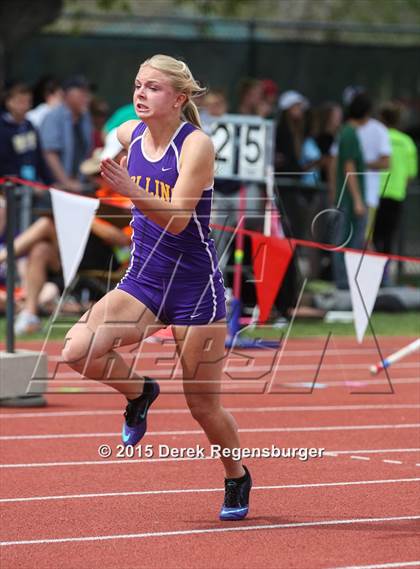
(361, 11)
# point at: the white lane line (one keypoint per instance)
(239, 380)
(393, 461)
(287, 353)
(268, 367)
(211, 530)
(199, 490)
(182, 411)
(360, 457)
(169, 459)
(101, 462)
(382, 565)
(248, 386)
(370, 451)
(200, 432)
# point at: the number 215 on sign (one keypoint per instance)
(243, 147)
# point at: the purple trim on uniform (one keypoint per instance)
(176, 276)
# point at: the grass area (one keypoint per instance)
(58, 331)
(383, 324)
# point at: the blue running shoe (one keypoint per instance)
(135, 424)
(236, 504)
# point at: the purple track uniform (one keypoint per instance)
(175, 276)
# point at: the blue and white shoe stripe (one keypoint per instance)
(233, 513)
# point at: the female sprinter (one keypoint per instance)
(173, 277)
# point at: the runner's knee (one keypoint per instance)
(77, 347)
(203, 409)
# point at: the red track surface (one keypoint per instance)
(356, 506)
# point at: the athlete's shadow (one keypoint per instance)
(249, 520)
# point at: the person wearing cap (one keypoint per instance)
(66, 134)
(290, 131)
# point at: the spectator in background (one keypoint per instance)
(330, 116)
(39, 243)
(310, 157)
(330, 119)
(376, 149)
(351, 217)
(66, 134)
(267, 107)
(250, 96)
(51, 94)
(226, 192)
(290, 134)
(403, 167)
(20, 149)
(99, 111)
(214, 104)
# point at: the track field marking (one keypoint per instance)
(211, 530)
(396, 564)
(200, 432)
(184, 410)
(360, 457)
(268, 365)
(331, 352)
(126, 461)
(393, 461)
(226, 383)
(200, 490)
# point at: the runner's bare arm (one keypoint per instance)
(195, 175)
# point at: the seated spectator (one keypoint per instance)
(39, 243)
(104, 250)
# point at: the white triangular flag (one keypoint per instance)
(73, 217)
(364, 273)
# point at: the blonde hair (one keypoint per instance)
(182, 80)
